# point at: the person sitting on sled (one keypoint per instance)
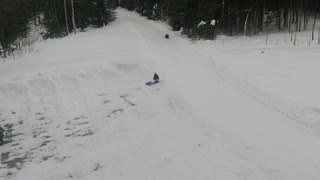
(156, 78)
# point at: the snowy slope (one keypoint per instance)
(78, 108)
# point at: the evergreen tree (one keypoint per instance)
(15, 16)
(55, 15)
(84, 16)
(232, 17)
(177, 13)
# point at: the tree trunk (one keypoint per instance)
(319, 36)
(246, 22)
(297, 18)
(267, 35)
(256, 21)
(73, 19)
(305, 17)
(3, 42)
(66, 16)
(222, 16)
(262, 15)
(291, 15)
(300, 14)
(279, 17)
(279, 20)
(314, 23)
(55, 10)
(285, 18)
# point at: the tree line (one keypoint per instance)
(59, 17)
(199, 19)
(207, 18)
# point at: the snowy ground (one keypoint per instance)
(77, 108)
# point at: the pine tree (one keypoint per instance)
(15, 16)
(233, 17)
(177, 13)
(84, 13)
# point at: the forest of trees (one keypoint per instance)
(199, 19)
(207, 18)
(59, 17)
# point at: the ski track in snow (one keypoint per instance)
(306, 116)
(79, 109)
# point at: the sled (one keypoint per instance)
(151, 83)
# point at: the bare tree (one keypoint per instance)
(314, 23)
(291, 17)
(246, 21)
(66, 15)
(222, 15)
(267, 23)
(300, 15)
(319, 36)
(73, 19)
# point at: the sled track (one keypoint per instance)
(304, 116)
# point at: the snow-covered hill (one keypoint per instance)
(77, 108)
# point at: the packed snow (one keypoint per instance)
(78, 107)
(213, 22)
(201, 23)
